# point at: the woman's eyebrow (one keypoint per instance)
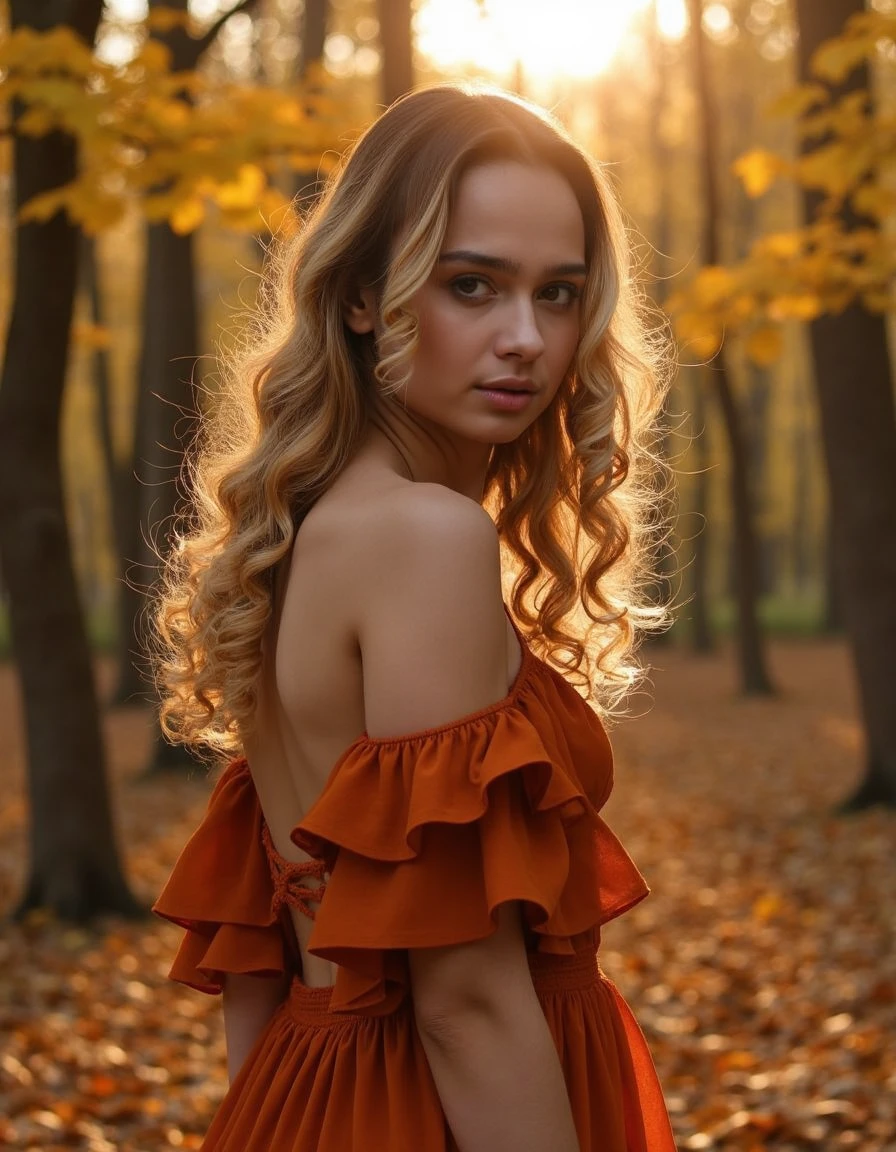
(500, 264)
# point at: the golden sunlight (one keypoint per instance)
(544, 39)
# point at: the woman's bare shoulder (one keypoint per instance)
(431, 623)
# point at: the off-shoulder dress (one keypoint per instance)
(421, 838)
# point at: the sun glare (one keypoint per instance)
(566, 38)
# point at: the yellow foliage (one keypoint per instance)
(831, 168)
(836, 58)
(187, 216)
(166, 19)
(758, 170)
(804, 306)
(764, 345)
(873, 200)
(155, 56)
(712, 286)
(697, 334)
(35, 122)
(244, 191)
(95, 210)
(878, 300)
(782, 245)
(798, 101)
(43, 207)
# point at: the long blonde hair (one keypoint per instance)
(296, 402)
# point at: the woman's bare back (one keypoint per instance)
(311, 696)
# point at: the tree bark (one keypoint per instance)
(396, 42)
(307, 185)
(853, 380)
(123, 497)
(702, 640)
(167, 407)
(661, 590)
(755, 679)
(73, 865)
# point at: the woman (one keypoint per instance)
(400, 881)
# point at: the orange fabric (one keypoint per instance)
(423, 837)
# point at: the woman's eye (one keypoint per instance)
(560, 293)
(471, 287)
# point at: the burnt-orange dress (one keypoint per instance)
(423, 837)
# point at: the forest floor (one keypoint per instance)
(762, 968)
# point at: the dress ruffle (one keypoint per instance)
(427, 835)
(424, 836)
(221, 891)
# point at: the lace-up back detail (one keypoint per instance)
(287, 878)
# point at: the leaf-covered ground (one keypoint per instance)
(762, 967)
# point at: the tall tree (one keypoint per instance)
(166, 396)
(396, 41)
(73, 863)
(315, 17)
(853, 380)
(754, 674)
(123, 494)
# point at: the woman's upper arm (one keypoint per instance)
(434, 649)
(432, 629)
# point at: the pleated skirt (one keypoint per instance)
(319, 1081)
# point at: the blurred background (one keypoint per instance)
(151, 153)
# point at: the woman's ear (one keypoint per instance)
(359, 310)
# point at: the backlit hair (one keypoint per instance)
(295, 406)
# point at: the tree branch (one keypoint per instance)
(207, 39)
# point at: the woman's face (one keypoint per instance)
(499, 317)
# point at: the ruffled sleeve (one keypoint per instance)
(221, 892)
(426, 835)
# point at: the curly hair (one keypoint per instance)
(296, 401)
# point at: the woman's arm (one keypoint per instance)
(488, 1044)
(434, 647)
(249, 1003)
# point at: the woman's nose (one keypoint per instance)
(520, 334)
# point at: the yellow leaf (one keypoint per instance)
(758, 170)
(697, 335)
(767, 906)
(764, 345)
(243, 192)
(187, 216)
(155, 56)
(872, 200)
(803, 306)
(877, 301)
(784, 245)
(798, 101)
(35, 122)
(164, 19)
(712, 286)
(45, 206)
(836, 58)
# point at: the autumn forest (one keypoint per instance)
(152, 154)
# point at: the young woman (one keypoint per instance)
(401, 878)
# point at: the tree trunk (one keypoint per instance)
(754, 675)
(397, 76)
(167, 407)
(661, 590)
(124, 501)
(308, 185)
(853, 381)
(73, 864)
(702, 640)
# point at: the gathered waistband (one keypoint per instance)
(549, 974)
